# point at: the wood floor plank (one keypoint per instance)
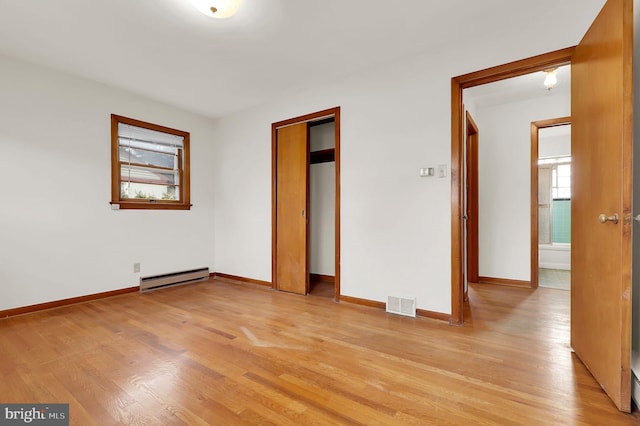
(228, 353)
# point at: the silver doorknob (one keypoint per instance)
(603, 218)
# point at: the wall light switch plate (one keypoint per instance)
(427, 172)
(442, 170)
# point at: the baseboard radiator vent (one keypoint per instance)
(175, 278)
(401, 306)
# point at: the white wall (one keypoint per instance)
(505, 183)
(395, 226)
(322, 203)
(322, 136)
(396, 229)
(554, 145)
(322, 219)
(58, 236)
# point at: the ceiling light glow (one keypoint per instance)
(220, 9)
(551, 78)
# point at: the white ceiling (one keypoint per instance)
(166, 50)
(520, 88)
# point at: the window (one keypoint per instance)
(561, 182)
(149, 165)
(554, 200)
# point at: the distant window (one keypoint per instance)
(554, 200)
(560, 178)
(561, 182)
(149, 165)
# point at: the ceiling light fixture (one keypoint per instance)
(220, 9)
(551, 78)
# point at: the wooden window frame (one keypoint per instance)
(183, 203)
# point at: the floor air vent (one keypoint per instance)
(175, 278)
(401, 306)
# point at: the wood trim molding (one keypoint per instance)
(471, 147)
(274, 203)
(433, 315)
(319, 278)
(381, 305)
(322, 121)
(517, 68)
(457, 204)
(505, 282)
(64, 302)
(535, 224)
(220, 275)
(535, 140)
(458, 84)
(363, 302)
(337, 266)
(314, 116)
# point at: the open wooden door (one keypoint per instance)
(292, 188)
(601, 108)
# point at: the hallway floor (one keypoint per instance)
(554, 278)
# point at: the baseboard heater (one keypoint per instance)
(174, 278)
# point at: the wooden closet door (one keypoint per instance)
(292, 225)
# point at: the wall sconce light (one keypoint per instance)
(220, 9)
(551, 78)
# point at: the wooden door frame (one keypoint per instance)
(472, 202)
(458, 84)
(315, 116)
(535, 139)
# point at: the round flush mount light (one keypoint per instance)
(220, 9)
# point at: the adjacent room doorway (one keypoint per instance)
(601, 214)
(551, 203)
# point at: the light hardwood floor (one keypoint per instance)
(223, 353)
(554, 278)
